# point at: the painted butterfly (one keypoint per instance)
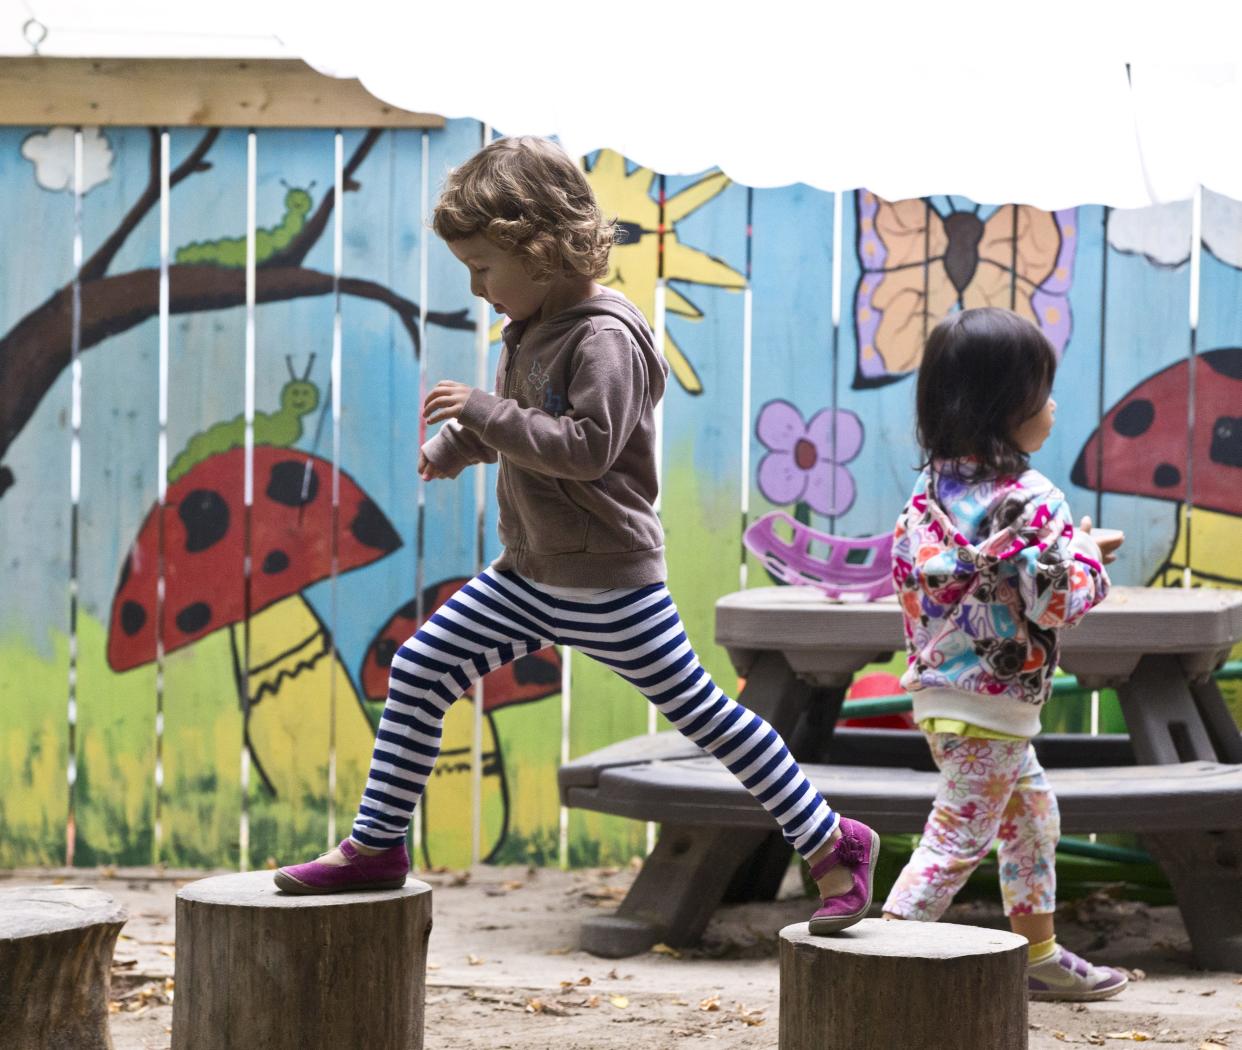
(919, 263)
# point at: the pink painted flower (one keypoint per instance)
(804, 459)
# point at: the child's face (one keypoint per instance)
(1030, 434)
(500, 277)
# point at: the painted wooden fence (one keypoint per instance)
(195, 623)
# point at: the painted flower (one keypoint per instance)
(805, 460)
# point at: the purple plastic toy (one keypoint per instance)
(858, 569)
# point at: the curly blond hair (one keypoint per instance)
(525, 195)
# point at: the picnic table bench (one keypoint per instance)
(1175, 778)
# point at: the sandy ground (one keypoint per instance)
(504, 973)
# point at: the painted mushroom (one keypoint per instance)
(446, 809)
(1140, 450)
(290, 653)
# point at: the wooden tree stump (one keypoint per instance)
(259, 968)
(55, 967)
(913, 985)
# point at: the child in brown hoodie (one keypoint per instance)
(571, 423)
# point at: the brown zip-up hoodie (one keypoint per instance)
(572, 423)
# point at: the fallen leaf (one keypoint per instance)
(1058, 1035)
(1133, 1035)
(514, 885)
(580, 982)
(1210, 991)
(619, 1001)
(712, 1002)
(534, 1006)
(664, 949)
(474, 960)
(433, 966)
(680, 1002)
(592, 1001)
(560, 951)
(1212, 1044)
(750, 1017)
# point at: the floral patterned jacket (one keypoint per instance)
(986, 573)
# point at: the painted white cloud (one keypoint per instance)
(1162, 232)
(51, 153)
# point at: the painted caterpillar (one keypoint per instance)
(231, 251)
(282, 428)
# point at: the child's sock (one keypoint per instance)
(1037, 953)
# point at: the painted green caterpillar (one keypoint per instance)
(231, 251)
(280, 429)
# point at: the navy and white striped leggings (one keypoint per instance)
(500, 616)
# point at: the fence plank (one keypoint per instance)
(34, 515)
(202, 691)
(120, 429)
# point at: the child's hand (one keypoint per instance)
(427, 470)
(1108, 540)
(446, 401)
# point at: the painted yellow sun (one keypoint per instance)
(634, 265)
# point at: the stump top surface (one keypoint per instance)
(31, 911)
(255, 889)
(911, 940)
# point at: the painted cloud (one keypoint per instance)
(1162, 232)
(51, 153)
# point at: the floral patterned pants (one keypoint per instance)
(988, 790)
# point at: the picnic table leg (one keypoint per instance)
(688, 873)
(675, 894)
(1172, 721)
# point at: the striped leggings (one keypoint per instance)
(498, 617)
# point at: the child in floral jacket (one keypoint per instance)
(989, 568)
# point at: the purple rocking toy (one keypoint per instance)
(854, 569)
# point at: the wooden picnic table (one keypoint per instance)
(799, 652)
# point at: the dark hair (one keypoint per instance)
(984, 372)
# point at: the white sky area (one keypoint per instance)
(1120, 102)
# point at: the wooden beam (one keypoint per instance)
(179, 92)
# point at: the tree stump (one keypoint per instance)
(259, 968)
(55, 966)
(913, 985)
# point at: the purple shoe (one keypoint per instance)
(383, 871)
(1065, 977)
(857, 848)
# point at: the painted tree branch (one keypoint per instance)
(311, 232)
(38, 348)
(97, 265)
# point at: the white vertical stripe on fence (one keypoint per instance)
(1196, 273)
(838, 267)
(75, 494)
(252, 167)
(338, 257)
(481, 345)
(420, 486)
(747, 349)
(161, 488)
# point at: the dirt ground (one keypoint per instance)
(504, 973)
